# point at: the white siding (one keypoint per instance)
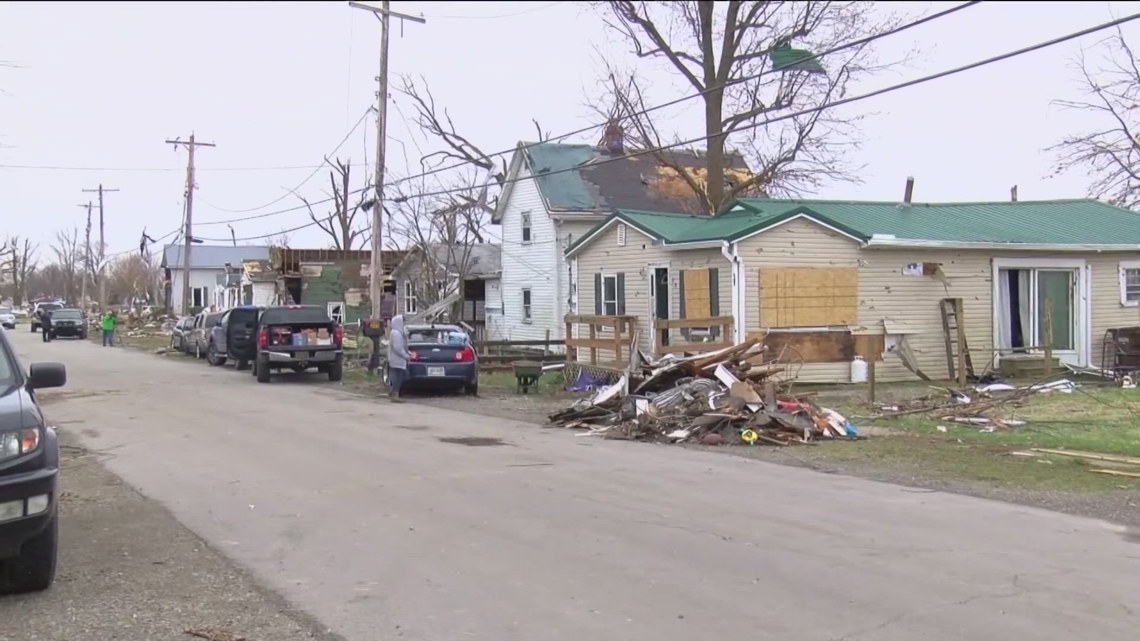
(533, 265)
(264, 293)
(207, 278)
(636, 260)
(569, 231)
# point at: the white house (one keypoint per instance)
(555, 194)
(207, 263)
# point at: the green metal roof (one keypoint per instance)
(563, 189)
(1052, 222)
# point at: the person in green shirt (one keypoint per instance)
(107, 323)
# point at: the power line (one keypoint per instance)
(191, 146)
(316, 170)
(823, 107)
(730, 83)
(854, 43)
(163, 169)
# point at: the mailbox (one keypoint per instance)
(372, 328)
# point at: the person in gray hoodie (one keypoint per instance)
(397, 358)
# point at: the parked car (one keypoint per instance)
(29, 472)
(204, 322)
(440, 356)
(233, 336)
(68, 322)
(293, 337)
(7, 318)
(180, 334)
(39, 310)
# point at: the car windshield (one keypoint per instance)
(8, 367)
(50, 306)
(437, 335)
(66, 314)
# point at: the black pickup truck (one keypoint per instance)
(297, 338)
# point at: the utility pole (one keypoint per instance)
(384, 13)
(102, 247)
(376, 278)
(86, 260)
(190, 146)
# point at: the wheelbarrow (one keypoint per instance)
(527, 374)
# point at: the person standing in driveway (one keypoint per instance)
(397, 358)
(107, 324)
(45, 324)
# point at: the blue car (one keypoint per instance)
(441, 356)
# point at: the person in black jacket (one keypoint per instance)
(45, 324)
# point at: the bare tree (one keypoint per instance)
(129, 279)
(281, 239)
(341, 224)
(739, 57)
(1108, 152)
(17, 262)
(69, 255)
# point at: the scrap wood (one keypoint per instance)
(1088, 455)
(213, 634)
(1133, 475)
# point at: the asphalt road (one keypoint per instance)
(360, 515)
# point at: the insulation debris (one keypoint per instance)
(731, 396)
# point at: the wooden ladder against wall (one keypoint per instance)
(954, 332)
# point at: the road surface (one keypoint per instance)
(372, 519)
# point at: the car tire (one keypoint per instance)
(471, 389)
(262, 370)
(212, 356)
(336, 371)
(242, 365)
(34, 569)
(34, 328)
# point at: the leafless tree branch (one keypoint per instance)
(1109, 151)
(724, 51)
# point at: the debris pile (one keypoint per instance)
(733, 395)
(990, 407)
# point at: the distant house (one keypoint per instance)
(826, 281)
(429, 283)
(252, 282)
(555, 194)
(207, 263)
(332, 278)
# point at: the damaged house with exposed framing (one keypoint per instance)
(451, 283)
(332, 278)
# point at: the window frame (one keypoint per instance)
(1123, 268)
(606, 304)
(527, 233)
(411, 301)
(527, 299)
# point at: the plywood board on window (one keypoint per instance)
(811, 347)
(698, 299)
(808, 296)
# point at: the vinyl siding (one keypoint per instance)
(636, 260)
(568, 233)
(533, 265)
(885, 294)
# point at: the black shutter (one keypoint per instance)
(714, 297)
(597, 294)
(621, 294)
(681, 299)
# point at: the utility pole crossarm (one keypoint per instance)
(102, 244)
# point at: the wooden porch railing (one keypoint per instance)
(685, 341)
(611, 337)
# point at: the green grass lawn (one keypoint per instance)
(1105, 420)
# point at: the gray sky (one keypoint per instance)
(277, 85)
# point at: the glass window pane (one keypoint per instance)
(1056, 288)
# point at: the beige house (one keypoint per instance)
(827, 280)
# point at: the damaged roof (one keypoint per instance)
(1055, 223)
(582, 178)
(212, 256)
(258, 271)
(483, 260)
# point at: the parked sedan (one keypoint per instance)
(180, 334)
(7, 318)
(68, 322)
(441, 356)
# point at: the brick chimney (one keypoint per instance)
(908, 194)
(613, 140)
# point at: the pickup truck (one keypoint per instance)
(288, 337)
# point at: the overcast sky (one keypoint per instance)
(276, 86)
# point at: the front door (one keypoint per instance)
(1042, 306)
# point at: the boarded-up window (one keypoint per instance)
(809, 296)
(700, 295)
